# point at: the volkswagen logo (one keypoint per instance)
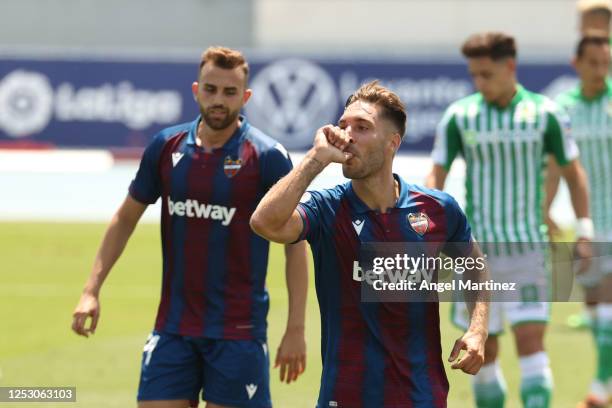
(291, 99)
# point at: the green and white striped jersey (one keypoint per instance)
(504, 150)
(592, 129)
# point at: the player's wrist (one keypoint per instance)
(478, 331)
(319, 157)
(295, 329)
(91, 291)
(585, 229)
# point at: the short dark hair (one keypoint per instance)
(392, 107)
(603, 12)
(495, 45)
(595, 7)
(225, 58)
(593, 37)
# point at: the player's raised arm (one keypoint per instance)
(276, 217)
(473, 341)
(117, 234)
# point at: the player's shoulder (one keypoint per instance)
(541, 101)
(160, 141)
(262, 142)
(173, 131)
(327, 195)
(472, 101)
(569, 96)
(442, 197)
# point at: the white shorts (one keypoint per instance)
(530, 298)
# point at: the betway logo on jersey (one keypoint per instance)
(192, 208)
(391, 275)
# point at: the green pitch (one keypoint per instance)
(43, 270)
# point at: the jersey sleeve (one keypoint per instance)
(459, 238)
(310, 208)
(447, 141)
(275, 165)
(146, 186)
(558, 139)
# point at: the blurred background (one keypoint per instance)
(84, 85)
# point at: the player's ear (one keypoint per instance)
(511, 64)
(574, 62)
(396, 141)
(194, 90)
(247, 95)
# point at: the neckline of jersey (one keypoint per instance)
(229, 144)
(361, 208)
(597, 97)
(518, 95)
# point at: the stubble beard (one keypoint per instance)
(217, 124)
(372, 164)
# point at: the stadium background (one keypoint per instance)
(84, 85)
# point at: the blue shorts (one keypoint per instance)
(235, 373)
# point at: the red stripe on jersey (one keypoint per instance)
(165, 170)
(353, 332)
(197, 235)
(438, 232)
(238, 318)
(394, 327)
(437, 374)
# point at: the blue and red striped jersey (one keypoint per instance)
(214, 266)
(378, 354)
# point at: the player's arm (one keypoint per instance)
(553, 176)
(559, 143)
(578, 185)
(437, 177)
(461, 244)
(577, 182)
(116, 237)
(447, 144)
(276, 217)
(477, 302)
(291, 354)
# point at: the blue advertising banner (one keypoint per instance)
(102, 104)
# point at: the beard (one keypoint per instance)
(219, 122)
(366, 165)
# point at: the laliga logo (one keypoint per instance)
(26, 101)
(291, 99)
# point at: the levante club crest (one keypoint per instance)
(231, 167)
(419, 222)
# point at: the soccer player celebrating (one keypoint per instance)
(589, 107)
(210, 331)
(378, 354)
(503, 131)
